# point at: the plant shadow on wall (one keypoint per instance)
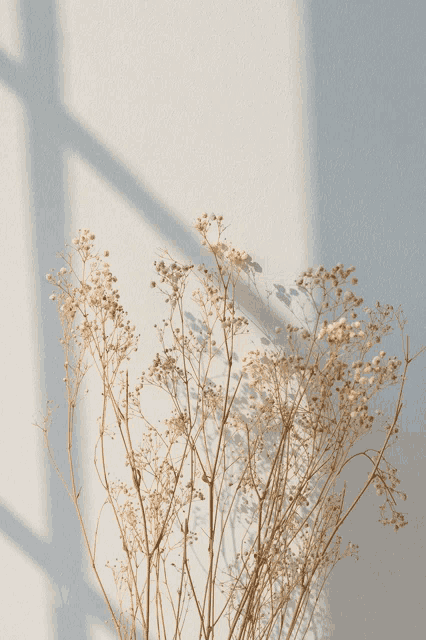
(229, 517)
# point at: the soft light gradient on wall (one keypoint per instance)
(302, 124)
(131, 120)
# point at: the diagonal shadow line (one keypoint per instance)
(65, 131)
(39, 551)
(164, 222)
(12, 73)
(29, 543)
(73, 135)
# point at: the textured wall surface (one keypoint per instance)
(370, 91)
(303, 125)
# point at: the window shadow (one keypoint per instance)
(51, 131)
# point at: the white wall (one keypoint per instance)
(133, 119)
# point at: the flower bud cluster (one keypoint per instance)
(203, 223)
(340, 331)
(83, 240)
(225, 254)
(351, 550)
(303, 409)
(94, 299)
(336, 275)
(173, 275)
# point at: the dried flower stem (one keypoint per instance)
(262, 449)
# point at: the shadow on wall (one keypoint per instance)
(369, 92)
(52, 131)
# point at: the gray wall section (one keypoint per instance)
(369, 91)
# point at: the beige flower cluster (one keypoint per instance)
(262, 450)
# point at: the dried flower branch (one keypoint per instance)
(260, 454)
